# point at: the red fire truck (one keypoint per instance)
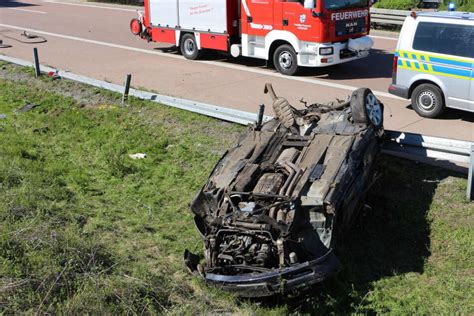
(291, 33)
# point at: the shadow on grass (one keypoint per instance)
(391, 239)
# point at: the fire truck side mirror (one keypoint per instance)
(316, 14)
(309, 4)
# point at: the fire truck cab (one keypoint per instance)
(289, 33)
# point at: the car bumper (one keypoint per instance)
(399, 91)
(277, 281)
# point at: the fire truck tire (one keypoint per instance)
(366, 108)
(189, 48)
(285, 60)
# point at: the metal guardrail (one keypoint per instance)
(448, 153)
(395, 17)
(388, 17)
(443, 152)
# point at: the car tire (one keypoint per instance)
(285, 60)
(189, 48)
(427, 100)
(366, 108)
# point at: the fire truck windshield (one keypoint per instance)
(344, 4)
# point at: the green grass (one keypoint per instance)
(86, 229)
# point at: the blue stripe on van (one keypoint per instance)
(452, 71)
(450, 62)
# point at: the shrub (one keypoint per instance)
(396, 4)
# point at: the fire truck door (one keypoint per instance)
(296, 18)
(259, 16)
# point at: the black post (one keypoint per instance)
(37, 65)
(127, 88)
(261, 110)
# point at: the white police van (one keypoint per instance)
(434, 60)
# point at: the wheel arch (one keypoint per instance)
(273, 47)
(276, 38)
(419, 82)
(180, 35)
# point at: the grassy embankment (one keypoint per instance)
(84, 228)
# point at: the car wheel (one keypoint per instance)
(285, 60)
(427, 100)
(189, 47)
(366, 108)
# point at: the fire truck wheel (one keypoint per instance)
(189, 47)
(285, 60)
(366, 108)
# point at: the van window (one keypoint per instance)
(450, 39)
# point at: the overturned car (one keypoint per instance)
(270, 211)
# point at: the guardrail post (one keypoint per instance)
(127, 88)
(37, 65)
(470, 177)
(261, 111)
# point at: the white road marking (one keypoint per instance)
(92, 6)
(26, 10)
(384, 37)
(214, 63)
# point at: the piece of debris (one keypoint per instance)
(3, 116)
(137, 156)
(54, 75)
(27, 107)
(2, 45)
(273, 206)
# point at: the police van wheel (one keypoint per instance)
(427, 100)
(285, 60)
(189, 48)
(366, 108)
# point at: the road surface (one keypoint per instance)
(94, 40)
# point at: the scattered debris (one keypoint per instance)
(27, 107)
(4, 45)
(54, 75)
(270, 211)
(137, 156)
(31, 38)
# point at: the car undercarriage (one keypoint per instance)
(274, 204)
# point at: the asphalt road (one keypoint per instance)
(94, 40)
